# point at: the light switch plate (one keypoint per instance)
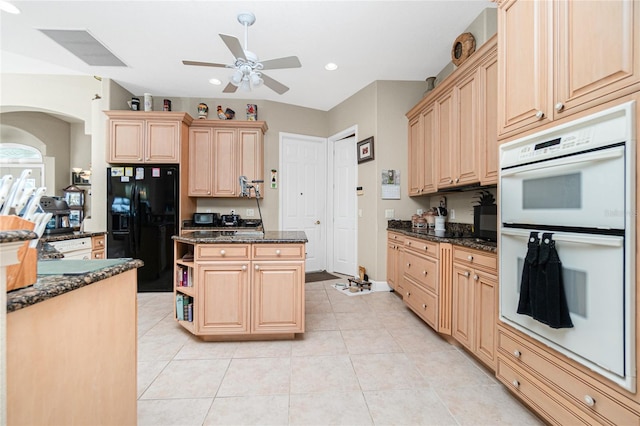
(250, 213)
(389, 213)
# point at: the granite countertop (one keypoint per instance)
(470, 242)
(17, 235)
(241, 236)
(69, 236)
(50, 286)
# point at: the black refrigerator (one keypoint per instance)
(142, 216)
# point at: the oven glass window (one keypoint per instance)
(555, 192)
(575, 288)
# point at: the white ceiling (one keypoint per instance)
(369, 40)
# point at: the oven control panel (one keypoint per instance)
(568, 143)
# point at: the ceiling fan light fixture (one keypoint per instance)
(236, 77)
(256, 80)
(245, 86)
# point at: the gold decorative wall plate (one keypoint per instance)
(462, 48)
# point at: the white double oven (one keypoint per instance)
(577, 181)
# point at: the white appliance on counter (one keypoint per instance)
(577, 181)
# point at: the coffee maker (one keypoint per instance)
(59, 223)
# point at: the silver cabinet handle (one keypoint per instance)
(256, 267)
(408, 293)
(466, 274)
(244, 267)
(559, 106)
(317, 222)
(516, 383)
(450, 180)
(539, 115)
(470, 258)
(408, 265)
(517, 353)
(476, 277)
(424, 306)
(426, 248)
(424, 273)
(589, 400)
(277, 252)
(457, 180)
(222, 252)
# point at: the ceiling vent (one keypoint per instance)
(83, 45)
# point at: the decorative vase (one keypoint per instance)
(431, 84)
(203, 110)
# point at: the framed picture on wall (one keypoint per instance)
(365, 150)
(80, 178)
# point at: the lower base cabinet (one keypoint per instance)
(229, 290)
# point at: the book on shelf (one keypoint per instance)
(180, 306)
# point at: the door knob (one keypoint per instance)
(317, 222)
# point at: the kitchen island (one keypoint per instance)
(240, 285)
(71, 345)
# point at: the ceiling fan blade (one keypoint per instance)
(205, 64)
(234, 46)
(230, 88)
(276, 86)
(288, 62)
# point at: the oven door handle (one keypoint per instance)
(590, 157)
(595, 240)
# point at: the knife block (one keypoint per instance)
(24, 273)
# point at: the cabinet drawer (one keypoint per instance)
(539, 396)
(422, 302)
(278, 251)
(476, 258)
(97, 254)
(395, 238)
(422, 246)
(582, 394)
(98, 242)
(422, 269)
(222, 251)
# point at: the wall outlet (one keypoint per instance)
(250, 213)
(389, 213)
(452, 214)
(207, 211)
(419, 211)
(359, 212)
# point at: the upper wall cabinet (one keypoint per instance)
(452, 131)
(137, 137)
(222, 151)
(560, 57)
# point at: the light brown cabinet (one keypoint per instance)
(561, 57)
(395, 252)
(420, 279)
(137, 137)
(452, 132)
(98, 246)
(241, 289)
(475, 301)
(221, 152)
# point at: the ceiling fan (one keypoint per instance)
(248, 69)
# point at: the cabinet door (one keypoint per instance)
(250, 155)
(200, 162)
(488, 120)
(465, 154)
(416, 156)
(445, 135)
(223, 298)
(277, 290)
(598, 51)
(162, 141)
(392, 264)
(462, 321)
(524, 49)
(126, 141)
(225, 177)
(485, 317)
(429, 148)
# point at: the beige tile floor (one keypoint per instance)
(364, 360)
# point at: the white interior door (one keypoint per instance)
(303, 193)
(344, 206)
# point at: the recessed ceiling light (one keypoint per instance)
(8, 7)
(215, 81)
(331, 66)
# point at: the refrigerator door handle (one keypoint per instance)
(132, 222)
